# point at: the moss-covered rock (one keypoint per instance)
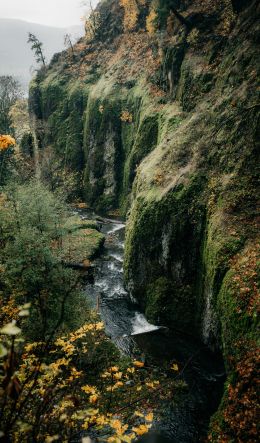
(75, 222)
(102, 147)
(166, 305)
(81, 245)
(81, 241)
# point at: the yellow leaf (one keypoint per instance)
(138, 414)
(114, 439)
(99, 326)
(88, 389)
(118, 375)
(149, 417)
(175, 367)
(116, 424)
(101, 420)
(138, 364)
(93, 398)
(150, 385)
(140, 430)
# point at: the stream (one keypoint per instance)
(185, 421)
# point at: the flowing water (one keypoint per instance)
(187, 420)
(118, 311)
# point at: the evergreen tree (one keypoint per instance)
(36, 46)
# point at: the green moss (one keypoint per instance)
(52, 94)
(168, 304)
(81, 244)
(102, 149)
(168, 234)
(75, 222)
(58, 105)
(220, 247)
(193, 82)
(158, 298)
(143, 142)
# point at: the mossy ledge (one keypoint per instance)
(173, 144)
(81, 243)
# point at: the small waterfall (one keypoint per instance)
(116, 228)
(140, 325)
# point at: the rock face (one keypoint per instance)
(164, 127)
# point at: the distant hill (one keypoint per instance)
(16, 57)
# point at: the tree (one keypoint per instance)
(36, 46)
(6, 157)
(19, 116)
(10, 92)
(132, 9)
(35, 216)
(93, 22)
(68, 44)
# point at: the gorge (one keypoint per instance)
(156, 110)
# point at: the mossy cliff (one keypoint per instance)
(164, 127)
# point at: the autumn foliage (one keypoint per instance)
(241, 406)
(6, 141)
(53, 389)
(49, 392)
(131, 12)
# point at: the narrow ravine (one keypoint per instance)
(107, 293)
(186, 420)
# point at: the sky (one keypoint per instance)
(58, 13)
